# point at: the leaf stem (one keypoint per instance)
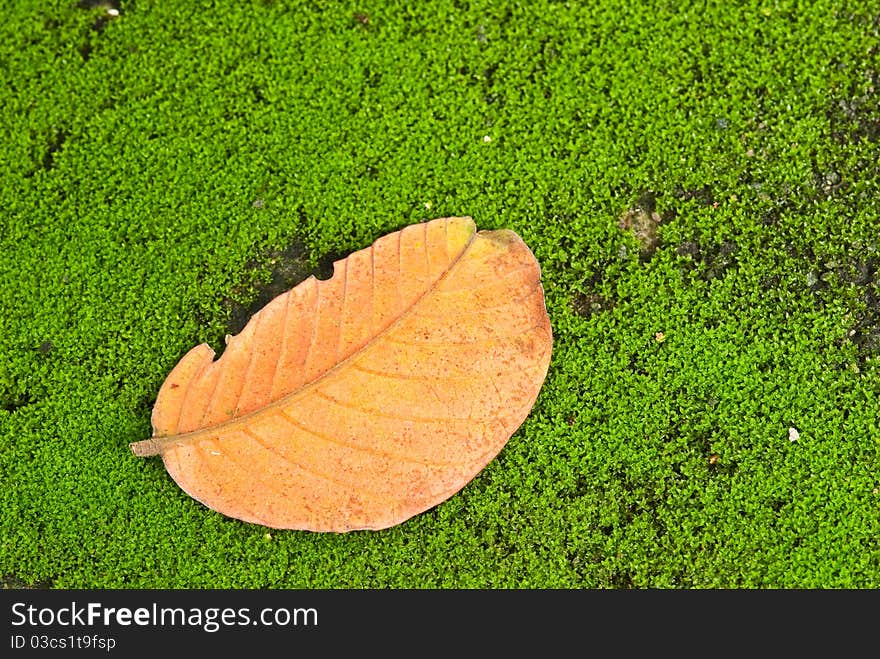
(146, 448)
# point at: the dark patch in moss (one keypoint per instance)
(689, 248)
(635, 364)
(372, 77)
(702, 196)
(288, 267)
(852, 269)
(827, 275)
(54, 144)
(325, 264)
(827, 183)
(494, 98)
(772, 215)
(101, 20)
(257, 92)
(865, 332)
(643, 221)
(13, 401)
(581, 561)
(710, 262)
(865, 272)
(85, 50)
(489, 74)
(622, 579)
(581, 488)
(856, 116)
(720, 467)
(12, 582)
(587, 300)
(145, 404)
(589, 304)
(647, 201)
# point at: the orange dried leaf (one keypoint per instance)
(360, 401)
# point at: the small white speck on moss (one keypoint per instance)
(793, 434)
(487, 139)
(111, 11)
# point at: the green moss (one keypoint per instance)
(157, 164)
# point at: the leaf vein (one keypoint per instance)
(472, 312)
(257, 319)
(314, 333)
(309, 470)
(281, 352)
(373, 412)
(488, 339)
(331, 440)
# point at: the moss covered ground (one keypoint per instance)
(699, 184)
